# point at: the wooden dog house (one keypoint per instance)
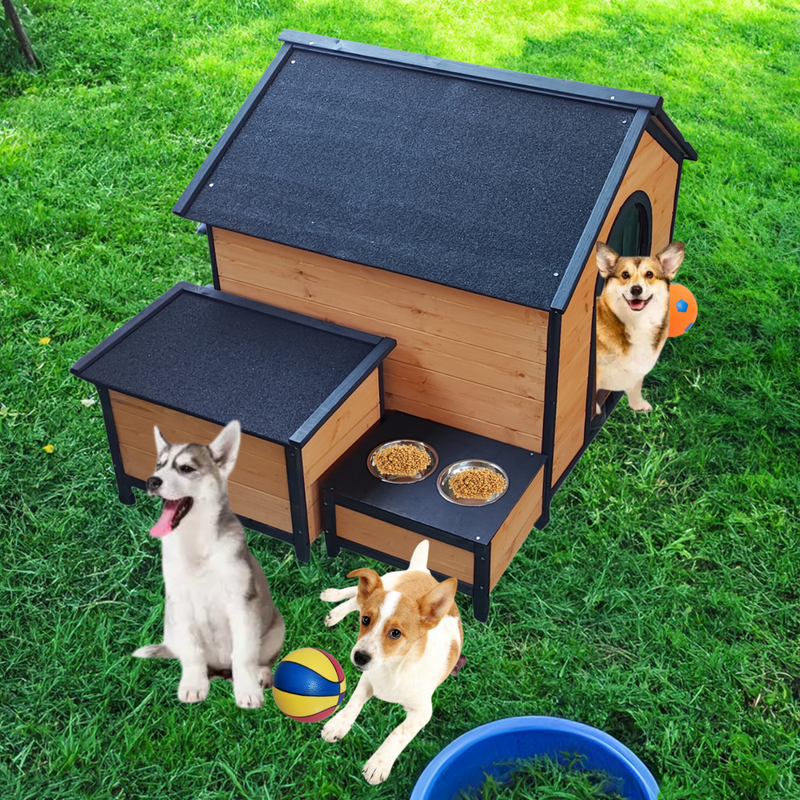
(453, 209)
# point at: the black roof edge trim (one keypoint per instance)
(127, 328)
(342, 392)
(503, 77)
(181, 208)
(668, 144)
(600, 211)
(669, 126)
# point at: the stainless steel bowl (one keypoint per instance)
(419, 476)
(443, 482)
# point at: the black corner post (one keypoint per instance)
(123, 486)
(297, 495)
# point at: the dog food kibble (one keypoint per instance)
(401, 459)
(478, 484)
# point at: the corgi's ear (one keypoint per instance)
(368, 582)
(161, 443)
(225, 448)
(436, 603)
(670, 258)
(606, 259)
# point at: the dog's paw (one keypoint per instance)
(250, 696)
(334, 617)
(336, 728)
(192, 692)
(643, 407)
(265, 677)
(597, 409)
(377, 769)
(331, 595)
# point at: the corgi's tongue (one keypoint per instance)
(172, 512)
(637, 305)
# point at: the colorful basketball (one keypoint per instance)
(682, 309)
(308, 685)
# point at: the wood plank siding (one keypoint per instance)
(654, 172)
(350, 422)
(258, 486)
(461, 359)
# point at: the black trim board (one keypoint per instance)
(123, 486)
(212, 253)
(550, 403)
(575, 90)
(600, 211)
(675, 204)
(298, 502)
(189, 194)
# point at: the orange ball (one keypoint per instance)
(682, 309)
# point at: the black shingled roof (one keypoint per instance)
(473, 177)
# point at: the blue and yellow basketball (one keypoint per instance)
(308, 685)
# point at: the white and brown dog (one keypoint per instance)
(409, 642)
(633, 318)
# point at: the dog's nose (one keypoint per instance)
(636, 290)
(153, 483)
(361, 658)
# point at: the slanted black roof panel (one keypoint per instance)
(215, 357)
(482, 187)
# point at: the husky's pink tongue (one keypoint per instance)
(164, 524)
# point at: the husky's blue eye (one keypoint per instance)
(186, 469)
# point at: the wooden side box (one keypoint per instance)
(386, 521)
(303, 390)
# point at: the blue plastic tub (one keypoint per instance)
(462, 764)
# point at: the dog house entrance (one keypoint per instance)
(631, 235)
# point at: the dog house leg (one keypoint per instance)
(124, 488)
(480, 586)
(329, 523)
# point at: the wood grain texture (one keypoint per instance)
(350, 422)
(470, 344)
(256, 488)
(654, 172)
(399, 542)
(514, 531)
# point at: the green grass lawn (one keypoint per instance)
(661, 603)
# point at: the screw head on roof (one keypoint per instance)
(612, 96)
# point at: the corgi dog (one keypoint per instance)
(219, 618)
(409, 641)
(633, 318)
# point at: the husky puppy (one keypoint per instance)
(633, 318)
(219, 616)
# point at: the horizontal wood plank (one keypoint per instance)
(400, 543)
(514, 531)
(492, 349)
(532, 442)
(258, 505)
(257, 488)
